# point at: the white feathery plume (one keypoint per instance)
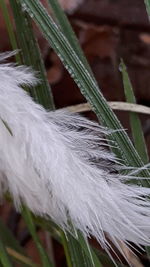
(55, 163)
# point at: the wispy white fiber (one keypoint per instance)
(56, 163)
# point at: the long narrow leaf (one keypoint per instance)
(147, 4)
(98, 256)
(135, 122)
(9, 27)
(88, 251)
(13, 247)
(31, 54)
(28, 216)
(78, 256)
(29, 221)
(67, 30)
(80, 253)
(26, 38)
(21, 259)
(85, 82)
(4, 258)
(65, 243)
(8, 238)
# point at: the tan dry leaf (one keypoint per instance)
(132, 259)
(98, 40)
(145, 37)
(70, 5)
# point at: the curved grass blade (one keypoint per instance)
(26, 212)
(135, 122)
(20, 259)
(73, 247)
(88, 251)
(13, 247)
(78, 252)
(4, 258)
(29, 221)
(147, 4)
(25, 37)
(23, 29)
(69, 256)
(68, 31)
(9, 27)
(31, 55)
(8, 238)
(86, 83)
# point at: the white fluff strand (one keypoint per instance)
(56, 164)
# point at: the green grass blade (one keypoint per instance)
(88, 251)
(48, 226)
(98, 256)
(147, 4)
(13, 245)
(29, 221)
(8, 238)
(74, 247)
(4, 258)
(9, 26)
(31, 55)
(19, 258)
(136, 127)
(24, 34)
(85, 82)
(26, 213)
(21, 30)
(63, 239)
(135, 122)
(67, 30)
(79, 252)
(65, 245)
